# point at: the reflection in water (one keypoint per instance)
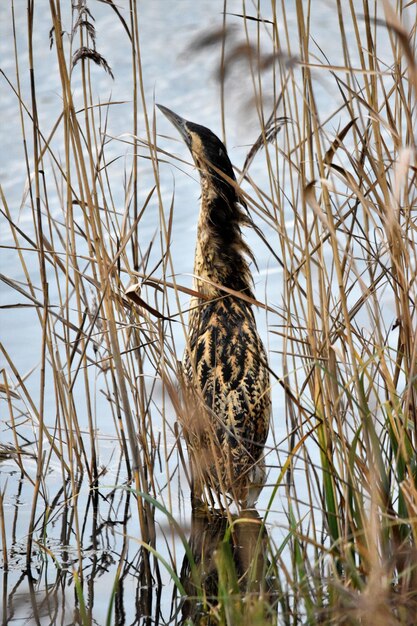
(112, 571)
(230, 573)
(227, 575)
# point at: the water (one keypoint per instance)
(185, 80)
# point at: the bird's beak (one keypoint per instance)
(179, 122)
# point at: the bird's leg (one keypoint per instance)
(196, 486)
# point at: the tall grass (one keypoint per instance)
(338, 149)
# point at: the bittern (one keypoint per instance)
(225, 364)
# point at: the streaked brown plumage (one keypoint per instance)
(225, 362)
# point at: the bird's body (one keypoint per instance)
(225, 363)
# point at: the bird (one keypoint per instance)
(225, 366)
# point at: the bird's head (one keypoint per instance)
(208, 152)
(221, 214)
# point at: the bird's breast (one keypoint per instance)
(226, 361)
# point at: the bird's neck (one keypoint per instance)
(221, 252)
